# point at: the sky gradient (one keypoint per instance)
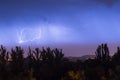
(67, 24)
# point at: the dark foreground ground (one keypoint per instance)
(50, 64)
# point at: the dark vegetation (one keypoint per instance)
(50, 64)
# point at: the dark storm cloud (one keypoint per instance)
(27, 11)
(30, 11)
(108, 3)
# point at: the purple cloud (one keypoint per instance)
(108, 3)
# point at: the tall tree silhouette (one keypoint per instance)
(3, 60)
(4, 54)
(37, 63)
(58, 55)
(116, 56)
(116, 62)
(45, 61)
(30, 59)
(17, 60)
(102, 53)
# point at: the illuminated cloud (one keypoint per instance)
(45, 34)
(60, 33)
(29, 35)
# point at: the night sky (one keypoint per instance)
(76, 26)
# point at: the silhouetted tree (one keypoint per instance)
(34, 62)
(102, 53)
(116, 63)
(58, 55)
(3, 55)
(30, 59)
(17, 60)
(103, 57)
(116, 57)
(49, 56)
(3, 61)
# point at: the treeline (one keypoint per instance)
(50, 64)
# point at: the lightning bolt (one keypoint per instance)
(28, 35)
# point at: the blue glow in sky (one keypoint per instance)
(59, 22)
